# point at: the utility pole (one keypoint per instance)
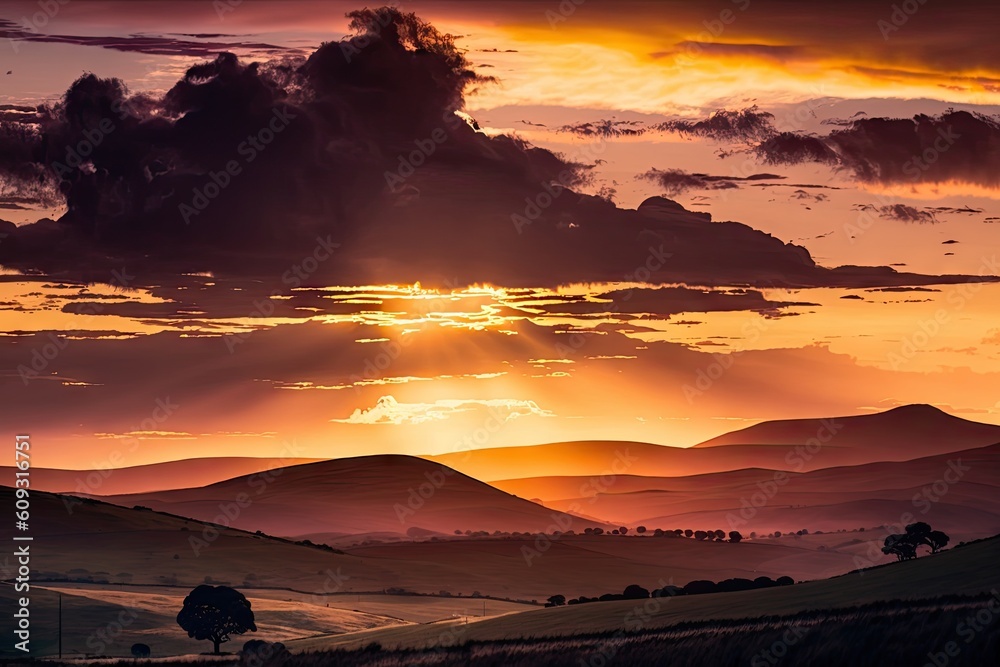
(60, 626)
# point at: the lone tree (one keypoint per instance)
(140, 651)
(556, 601)
(735, 536)
(904, 545)
(214, 613)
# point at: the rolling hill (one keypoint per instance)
(392, 494)
(182, 474)
(967, 570)
(799, 445)
(967, 505)
(906, 432)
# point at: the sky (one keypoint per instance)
(863, 134)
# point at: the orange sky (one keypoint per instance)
(493, 366)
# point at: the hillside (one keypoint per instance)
(395, 494)
(909, 431)
(766, 500)
(965, 570)
(796, 445)
(182, 474)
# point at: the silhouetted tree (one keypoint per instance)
(937, 540)
(623, 530)
(556, 601)
(720, 534)
(731, 585)
(784, 581)
(699, 587)
(734, 536)
(635, 592)
(214, 613)
(640, 529)
(700, 534)
(140, 651)
(688, 533)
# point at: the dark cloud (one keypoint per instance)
(901, 212)
(314, 143)
(955, 146)
(153, 45)
(242, 167)
(606, 128)
(676, 181)
(742, 125)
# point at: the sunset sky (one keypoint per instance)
(348, 365)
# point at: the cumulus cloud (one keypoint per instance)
(955, 146)
(241, 155)
(387, 410)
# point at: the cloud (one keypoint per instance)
(957, 146)
(742, 125)
(387, 410)
(151, 44)
(606, 128)
(252, 168)
(901, 212)
(239, 155)
(676, 181)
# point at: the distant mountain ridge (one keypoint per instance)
(798, 445)
(916, 430)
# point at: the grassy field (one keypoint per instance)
(99, 542)
(965, 570)
(938, 631)
(107, 620)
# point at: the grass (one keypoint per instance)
(968, 570)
